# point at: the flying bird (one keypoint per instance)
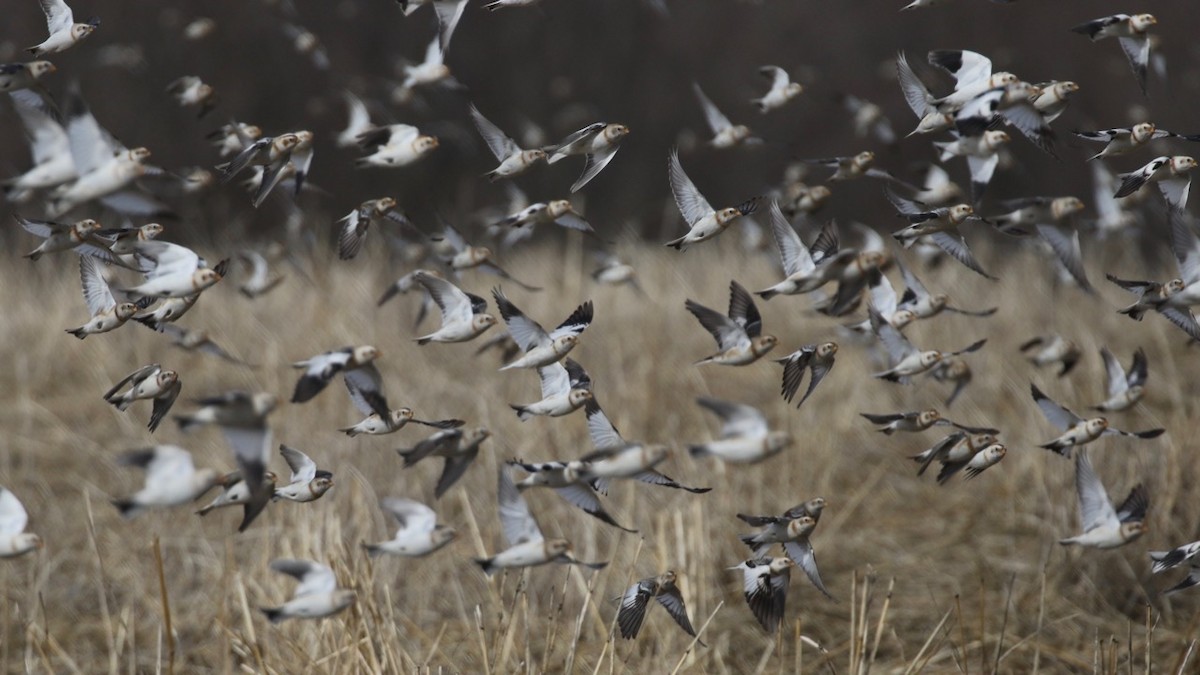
(739, 335)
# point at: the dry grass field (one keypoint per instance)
(966, 577)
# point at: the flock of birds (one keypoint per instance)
(132, 273)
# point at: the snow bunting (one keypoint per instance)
(17, 76)
(457, 447)
(419, 532)
(1103, 525)
(375, 425)
(513, 159)
(527, 546)
(725, 133)
(82, 236)
(464, 316)
(1051, 98)
(106, 313)
(565, 388)
(906, 359)
(1165, 560)
(919, 420)
(818, 358)
(541, 348)
(807, 267)
(49, 146)
(317, 595)
(1124, 387)
(352, 228)
(782, 89)
(172, 271)
(636, 600)
(394, 146)
(236, 492)
(191, 91)
(739, 335)
(765, 583)
(560, 212)
(307, 482)
(1078, 431)
(104, 166)
(357, 368)
(704, 221)
(1120, 140)
(869, 119)
(1131, 32)
(745, 435)
(857, 166)
(925, 220)
(147, 382)
(1171, 174)
(959, 451)
(1053, 349)
(14, 540)
(598, 143)
(64, 32)
(171, 479)
(258, 280)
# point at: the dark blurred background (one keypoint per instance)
(564, 63)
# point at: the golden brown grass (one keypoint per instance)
(962, 578)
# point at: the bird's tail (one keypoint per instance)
(1133, 311)
(486, 565)
(522, 412)
(274, 614)
(373, 550)
(697, 450)
(78, 332)
(127, 507)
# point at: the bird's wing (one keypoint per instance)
(314, 578)
(555, 379)
(501, 145)
(96, 293)
(1056, 414)
(1095, 510)
(691, 203)
(58, 15)
(602, 432)
(413, 516)
(302, 466)
(365, 385)
(1114, 375)
(456, 306)
(793, 253)
(717, 121)
(13, 516)
(737, 419)
(515, 518)
(525, 331)
(726, 332)
(576, 323)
